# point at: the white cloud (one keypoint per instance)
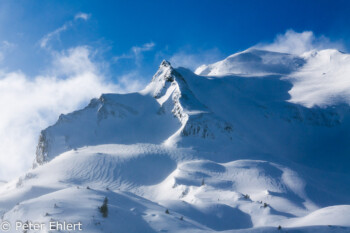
(28, 105)
(194, 60)
(132, 81)
(136, 53)
(44, 42)
(82, 15)
(299, 42)
(145, 47)
(74, 61)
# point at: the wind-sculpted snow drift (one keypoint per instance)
(246, 144)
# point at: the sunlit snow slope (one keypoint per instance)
(248, 144)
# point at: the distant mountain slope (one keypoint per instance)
(253, 62)
(236, 146)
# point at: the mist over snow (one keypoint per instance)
(324, 79)
(29, 104)
(299, 42)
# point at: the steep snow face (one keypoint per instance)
(253, 62)
(297, 114)
(113, 118)
(172, 91)
(266, 123)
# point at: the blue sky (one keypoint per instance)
(56, 55)
(113, 28)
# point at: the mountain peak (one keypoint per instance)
(161, 80)
(165, 63)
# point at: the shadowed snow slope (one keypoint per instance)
(246, 144)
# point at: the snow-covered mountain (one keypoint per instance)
(250, 143)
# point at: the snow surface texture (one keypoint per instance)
(248, 144)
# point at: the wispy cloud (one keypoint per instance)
(132, 81)
(82, 15)
(299, 42)
(136, 53)
(44, 42)
(194, 60)
(29, 104)
(5, 46)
